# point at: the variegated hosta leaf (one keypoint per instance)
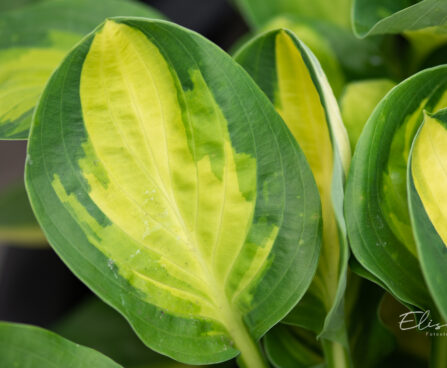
(372, 17)
(358, 102)
(17, 222)
(427, 189)
(33, 347)
(376, 206)
(259, 12)
(34, 41)
(287, 71)
(168, 183)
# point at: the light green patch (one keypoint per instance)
(23, 73)
(62, 39)
(358, 102)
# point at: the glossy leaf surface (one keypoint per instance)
(289, 74)
(174, 190)
(34, 41)
(376, 209)
(33, 347)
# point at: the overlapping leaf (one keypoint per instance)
(174, 190)
(372, 17)
(292, 78)
(427, 185)
(376, 209)
(34, 41)
(32, 347)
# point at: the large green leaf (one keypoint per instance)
(372, 17)
(174, 190)
(259, 12)
(17, 222)
(289, 74)
(376, 209)
(33, 347)
(34, 41)
(427, 184)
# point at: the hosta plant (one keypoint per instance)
(211, 200)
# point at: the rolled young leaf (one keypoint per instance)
(33, 347)
(167, 182)
(373, 17)
(289, 74)
(34, 41)
(427, 198)
(376, 207)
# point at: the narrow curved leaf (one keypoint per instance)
(34, 41)
(33, 347)
(372, 17)
(358, 102)
(174, 190)
(17, 222)
(289, 74)
(260, 12)
(376, 208)
(427, 183)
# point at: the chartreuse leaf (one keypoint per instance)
(33, 347)
(372, 17)
(427, 189)
(17, 222)
(34, 41)
(259, 12)
(358, 102)
(376, 209)
(287, 71)
(174, 190)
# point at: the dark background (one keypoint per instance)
(35, 286)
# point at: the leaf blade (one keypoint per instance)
(105, 196)
(34, 347)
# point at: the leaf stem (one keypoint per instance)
(335, 354)
(251, 355)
